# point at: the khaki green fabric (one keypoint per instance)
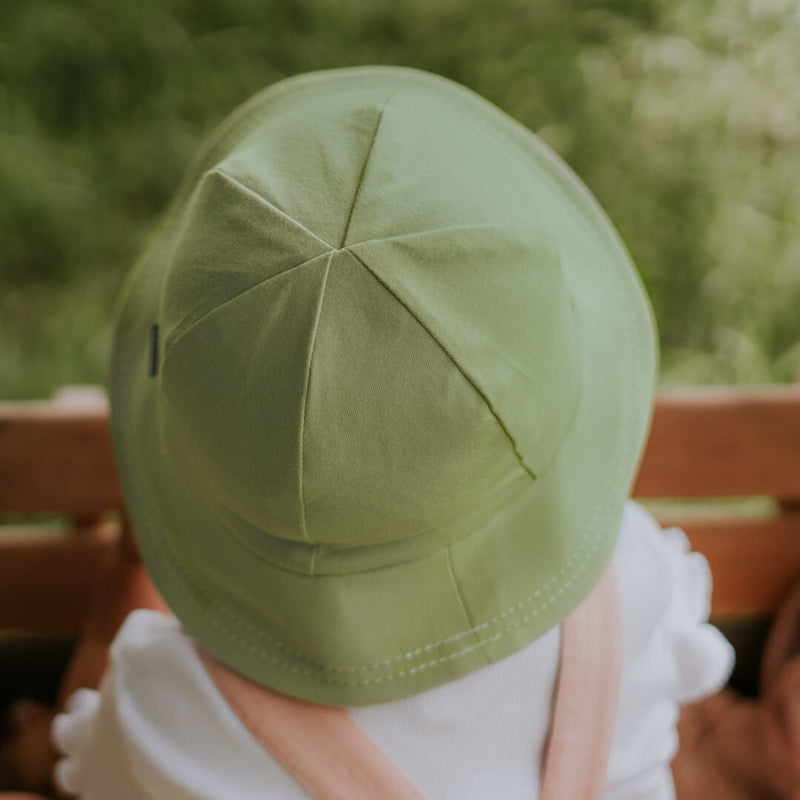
(379, 388)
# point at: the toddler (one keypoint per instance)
(379, 388)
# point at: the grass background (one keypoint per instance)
(682, 116)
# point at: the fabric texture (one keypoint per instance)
(379, 387)
(160, 730)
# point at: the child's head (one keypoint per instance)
(380, 384)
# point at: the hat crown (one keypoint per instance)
(366, 335)
(403, 379)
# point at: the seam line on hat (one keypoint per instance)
(483, 226)
(168, 346)
(363, 172)
(302, 431)
(270, 205)
(454, 360)
(471, 626)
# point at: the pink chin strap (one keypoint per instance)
(335, 760)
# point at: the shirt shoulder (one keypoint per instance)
(159, 729)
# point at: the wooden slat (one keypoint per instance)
(724, 443)
(754, 562)
(47, 579)
(57, 457)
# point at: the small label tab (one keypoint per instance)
(153, 351)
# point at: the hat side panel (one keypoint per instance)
(232, 394)
(397, 443)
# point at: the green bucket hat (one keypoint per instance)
(380, 384)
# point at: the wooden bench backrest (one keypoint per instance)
(733, 443)
(56, 460)
(56, 457)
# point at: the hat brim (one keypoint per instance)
(388, 632)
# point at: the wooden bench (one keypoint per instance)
(61, 510)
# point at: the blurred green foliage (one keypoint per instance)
(682, 116)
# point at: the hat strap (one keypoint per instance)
(335, 760)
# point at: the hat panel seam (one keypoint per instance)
(472, 382)
(178, 331)
(245, 119)
(175, 340)
(318, 550)
(363, 172)
(471, 627)
(301, 433)
(269, 204)
(482, 226)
